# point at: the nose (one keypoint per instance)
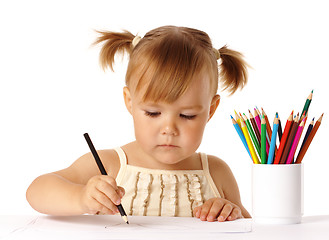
(169, 128)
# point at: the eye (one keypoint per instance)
(152, 114)
(188, 117)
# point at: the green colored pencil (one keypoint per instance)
(252, 134)
(307, 104)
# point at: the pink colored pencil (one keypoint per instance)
(295, 142)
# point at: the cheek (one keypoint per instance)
(143, 129)
(194, 132)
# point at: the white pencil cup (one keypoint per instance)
(277, 193)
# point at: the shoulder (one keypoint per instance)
(85, 167)
(217, 165)
(220, 172)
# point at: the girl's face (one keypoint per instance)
(171, 132)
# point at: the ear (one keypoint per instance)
(213, 106)
(127, 98)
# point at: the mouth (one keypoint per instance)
(168, 146)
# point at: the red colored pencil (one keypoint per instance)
(284, 139)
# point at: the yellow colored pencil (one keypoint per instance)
(249, 143)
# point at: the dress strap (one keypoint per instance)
(122, 156)
(205, 167)
(123, 164)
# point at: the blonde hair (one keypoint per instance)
(167, 58)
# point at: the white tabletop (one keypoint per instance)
(84, 227)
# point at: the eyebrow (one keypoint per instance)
(192, 107)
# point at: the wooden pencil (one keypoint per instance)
(273, 140)
(250, 146)
(295, 143)
(103, 172)
(307, 103)
(257, 119)
(309, 140)
(252, 134)
(240, 133)
(254, 125)
(285, 135)
(309, 129)
(237, 117)
(290, 139)
(268, 130)
(279, 129)
(263, 141)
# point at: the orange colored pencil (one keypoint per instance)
(284, 139)
(309, 140)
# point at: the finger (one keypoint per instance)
(105, 202)
(205, 208)
(215, 210)
(226, 211)
(109, 191)
(121, 191)
(106, 211)
(197, 212)
(235, 214)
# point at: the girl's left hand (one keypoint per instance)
(219, 208)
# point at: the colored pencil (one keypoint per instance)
(307, 103)
(268, 126)
(295, 143)
(257, 120)
(237, 117)
(254, 125)
(290, 139)
(309, 129)
(268, 130)
(263, 141)
(284, 139)
(280, 129)
(309, 140)
(240, 133)
(273, 140)
(252, 134)
(103, 171)
(249, 143)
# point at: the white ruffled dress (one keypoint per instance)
(175, 193)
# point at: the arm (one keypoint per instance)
(77, 189)
(229, 207)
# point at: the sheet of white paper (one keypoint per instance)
(113, 227)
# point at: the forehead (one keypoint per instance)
(197, 93)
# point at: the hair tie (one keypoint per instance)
(217, 54)
(136, 41)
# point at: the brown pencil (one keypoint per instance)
(309, 140)
(268, 126)
(254, 125)
(290, 139)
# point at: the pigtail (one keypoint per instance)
(113, 42)
(233, 71)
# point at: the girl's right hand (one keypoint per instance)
(101, 195)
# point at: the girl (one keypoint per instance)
(171, 93)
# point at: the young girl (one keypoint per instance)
(171, 93)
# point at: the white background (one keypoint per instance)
(53, 90)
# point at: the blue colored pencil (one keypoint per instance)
(239, 131)
(273, 140)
